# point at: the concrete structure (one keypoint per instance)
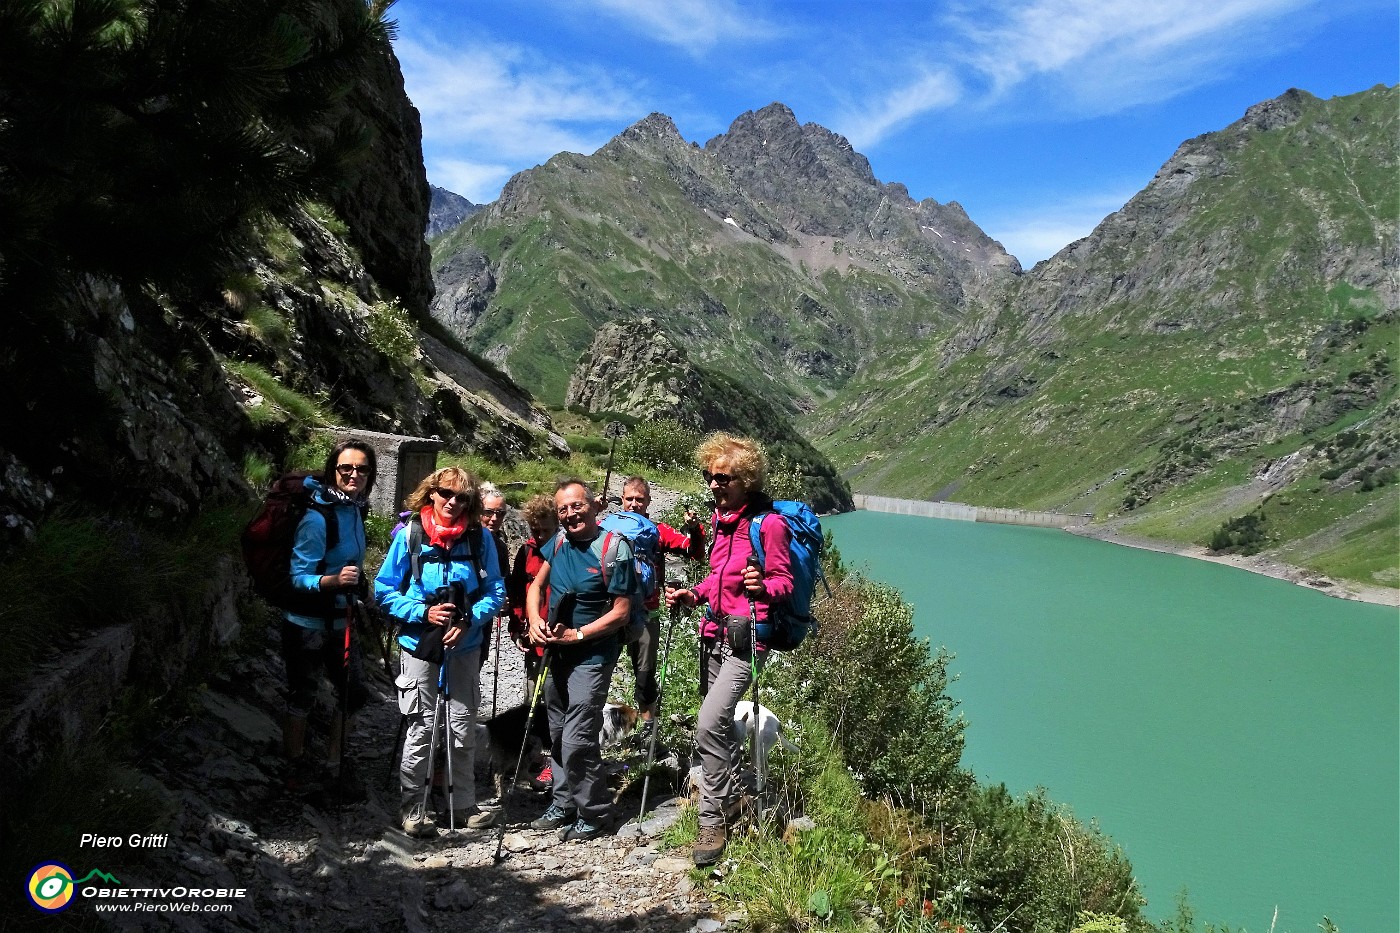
(957, 511)
(403, 462)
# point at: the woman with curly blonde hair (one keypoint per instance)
(737, 593)
(444, 601)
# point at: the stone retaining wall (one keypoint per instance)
(957, 511)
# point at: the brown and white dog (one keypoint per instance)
(619, 721)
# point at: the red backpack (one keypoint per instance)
(267, 547)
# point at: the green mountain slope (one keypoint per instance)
(1222, 346)
(772, 254)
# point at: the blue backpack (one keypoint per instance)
(640, 532)
(790, 621)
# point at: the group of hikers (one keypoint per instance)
(566, 599)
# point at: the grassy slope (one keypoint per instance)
(1112, 395)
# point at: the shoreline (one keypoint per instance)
(1264, 566)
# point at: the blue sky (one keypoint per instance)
(1040, 117)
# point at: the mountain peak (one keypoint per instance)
(1281, 111)
(652, 126)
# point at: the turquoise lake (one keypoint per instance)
(1238, 736)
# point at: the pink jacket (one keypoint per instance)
(723, 589)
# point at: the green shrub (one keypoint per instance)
(1242, 535)
(391, 331)
(660, 445)
(895, 729)
(257, 470)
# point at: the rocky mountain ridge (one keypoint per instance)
(446, 210)
(632, 368)
(1238, 312)
(760, 278)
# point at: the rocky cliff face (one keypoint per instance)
(632, 368)
(1287, 199)
(446, 210)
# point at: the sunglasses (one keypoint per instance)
(497, 513)
(348, 469)
(720, 479)
(462, 498)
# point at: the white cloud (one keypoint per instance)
(930, 92)
(1113, 54)
(694, 25)
(1071, 58)
(1039, 231)
(478, 182)
(497, 102)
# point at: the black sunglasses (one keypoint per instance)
(462, 498)
(496, 512)
(720, 478)
(347, 469)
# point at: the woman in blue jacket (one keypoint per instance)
(444, 602)
(328, 553)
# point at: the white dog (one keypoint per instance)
(770, 728)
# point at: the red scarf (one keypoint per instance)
(444, 536)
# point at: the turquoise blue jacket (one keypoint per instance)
(486, 589)
(311, 560)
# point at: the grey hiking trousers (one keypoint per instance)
(727, 675)
(419, 697)
(574, 696)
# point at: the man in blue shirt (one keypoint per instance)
(584, 597)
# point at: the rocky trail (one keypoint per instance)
(309, 866)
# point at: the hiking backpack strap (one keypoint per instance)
(756, 538)
(327, 513)
(415, 554)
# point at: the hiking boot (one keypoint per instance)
(473, 818)
(482, 819)
(416, 821)
(554, 818)
(709, 845)
(545, 779)
(582, 830)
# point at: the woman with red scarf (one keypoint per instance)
(736, 594)
(444, 601)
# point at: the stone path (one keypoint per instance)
(310, 867)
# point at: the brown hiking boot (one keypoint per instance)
(709, 845)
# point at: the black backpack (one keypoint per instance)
(267, 543)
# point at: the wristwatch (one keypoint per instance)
(579, 632)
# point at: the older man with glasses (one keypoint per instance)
(578, 625)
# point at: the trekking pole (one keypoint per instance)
(496, 673)
(515, 775)
(448, 736)
(660, 694)
(755, 746)
(614, 430)
(350, 600)
(432, 753)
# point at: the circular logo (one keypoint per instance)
(50, 887)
